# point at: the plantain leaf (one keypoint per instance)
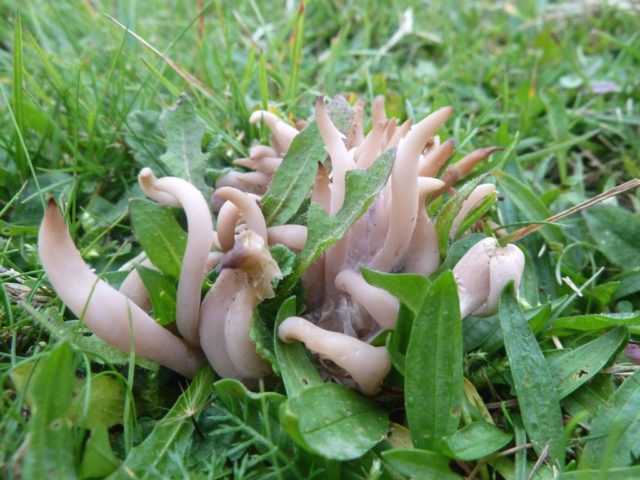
(532, 379)
(334, 421)
(615, 429)
(184, 130)
(362, 186)
(50, 432)
(293, 359)
(575, 367)
(433, 366)
(162, 239)
(422, 464)
(294, 179)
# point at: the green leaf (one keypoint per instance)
(296, 368)
(106, 401)
(616, 232)
(145, 139)
(98, 460)
(625, 473)
(294, 179)
(408, 288)
(477, 213)
(532, 379)
(160, 235)
(598, 321)
(449, 212)
(184, 130)
(334, 421)
(528, 203)
(284, 257)
(50, 432)
(433, 371)
(171, 436)
(575, 367)
(476, 440)
(162, 292)
(615, 429)
(362, 186)
(422, 464)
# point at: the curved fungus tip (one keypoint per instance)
(108, 313)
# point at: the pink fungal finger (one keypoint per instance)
(404, 191)
(380, 304)
(433, 161)
(282, 133)
(293, 236)
(133, 288)
(475, 198)
(378, 112)
(507, 264)
(199, 240)
(108, 313)
(355, 136)
(340, 161)
(472, 275)
(228, 218)
(371, 146)
(250, 182)
(462, 168)
(366, 364)
(423, 254)
(248, 207)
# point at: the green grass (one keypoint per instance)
(79, 106)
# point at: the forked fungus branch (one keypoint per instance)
(343, 311)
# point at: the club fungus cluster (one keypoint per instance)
(343, 311)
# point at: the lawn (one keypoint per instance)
(544, 386)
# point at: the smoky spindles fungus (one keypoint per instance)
(343, 312)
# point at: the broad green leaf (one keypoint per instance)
(235, 397)
(362, 186)
(106, 401)
(598, 321)
(184, 130)
(449, 212)
(433, 366)
(422, 464)
(160, 235)
(98, 460)
(616, 232)
(534, 385)
(575, 367)
(284, 257)
(162, 292)
(615, 430)
(590, 397)
(50, 433)
(171, 436)
(408, 288)
(262, 336)
(625, 473)
(298, 373)
(334, 421)
(528, 203)
(145, 139)
(294, 179)
(476, 440)
(509, 470)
